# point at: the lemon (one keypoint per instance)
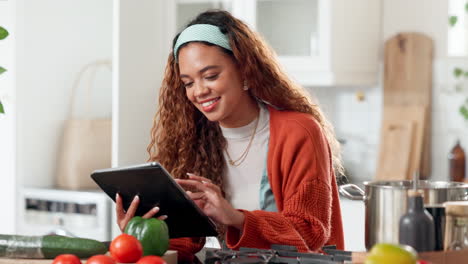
(386, 253)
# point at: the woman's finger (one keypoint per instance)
(162, 217)
(132, 208)
(200, 203)
(211, 196)
(195, 195)
(119, 208)
(213, 186)
(202, 186)
(198, 178)
(151, 212)
(194, 184)
(205, 181)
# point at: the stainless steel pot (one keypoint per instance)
(386, 201)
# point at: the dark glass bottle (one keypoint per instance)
(416, 227)
(457, 163)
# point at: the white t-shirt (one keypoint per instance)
(242, 182)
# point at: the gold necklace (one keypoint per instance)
(241, 159)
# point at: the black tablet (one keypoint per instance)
(155, 187)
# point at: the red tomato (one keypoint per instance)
(126, 249)
(151, 260)
(423, 262)
(66, 259)
(100, 259)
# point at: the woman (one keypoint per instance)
(256, 154)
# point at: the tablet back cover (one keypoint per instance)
(155, 187)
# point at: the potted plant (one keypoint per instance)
(3, 35)
(460, 74)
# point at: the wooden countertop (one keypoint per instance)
(436, 257)
(170, 257)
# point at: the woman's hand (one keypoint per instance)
(124, 217)
(209, 198)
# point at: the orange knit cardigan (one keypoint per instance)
(302, 181)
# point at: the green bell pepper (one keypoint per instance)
(152, 233)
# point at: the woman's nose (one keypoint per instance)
(200, 89)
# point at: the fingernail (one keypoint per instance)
(136, 198)
(155, 208)
(190, 174)
(164, 217)
(188, 192)
(116, 196)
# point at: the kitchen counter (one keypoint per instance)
(170, 257)
(436, 257)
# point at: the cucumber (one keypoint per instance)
(53, 246)
(48, 247)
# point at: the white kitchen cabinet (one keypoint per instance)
(186, 10)
(318, 42)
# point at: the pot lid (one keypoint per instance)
(422, 184)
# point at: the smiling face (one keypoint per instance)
(213, 83)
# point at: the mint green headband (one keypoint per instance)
(202, 32)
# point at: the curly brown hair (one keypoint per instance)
(184, 140)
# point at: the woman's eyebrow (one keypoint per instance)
(209, 67)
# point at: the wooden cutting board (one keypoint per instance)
(393, 167)
(408, 70)
(408, 81)
(395, 150)
(170, 257)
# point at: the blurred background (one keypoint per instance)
(334, 48)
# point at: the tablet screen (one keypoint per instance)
(155, 187)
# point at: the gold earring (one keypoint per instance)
(245, 88)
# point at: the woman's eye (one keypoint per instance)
(212, 77)
(188, 85)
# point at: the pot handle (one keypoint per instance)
(344, 191)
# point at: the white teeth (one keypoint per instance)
(205, 104)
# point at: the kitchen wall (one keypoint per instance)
(55, 40)
(49, 42)
(139, 64)
(358, 122)
(7, 120)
